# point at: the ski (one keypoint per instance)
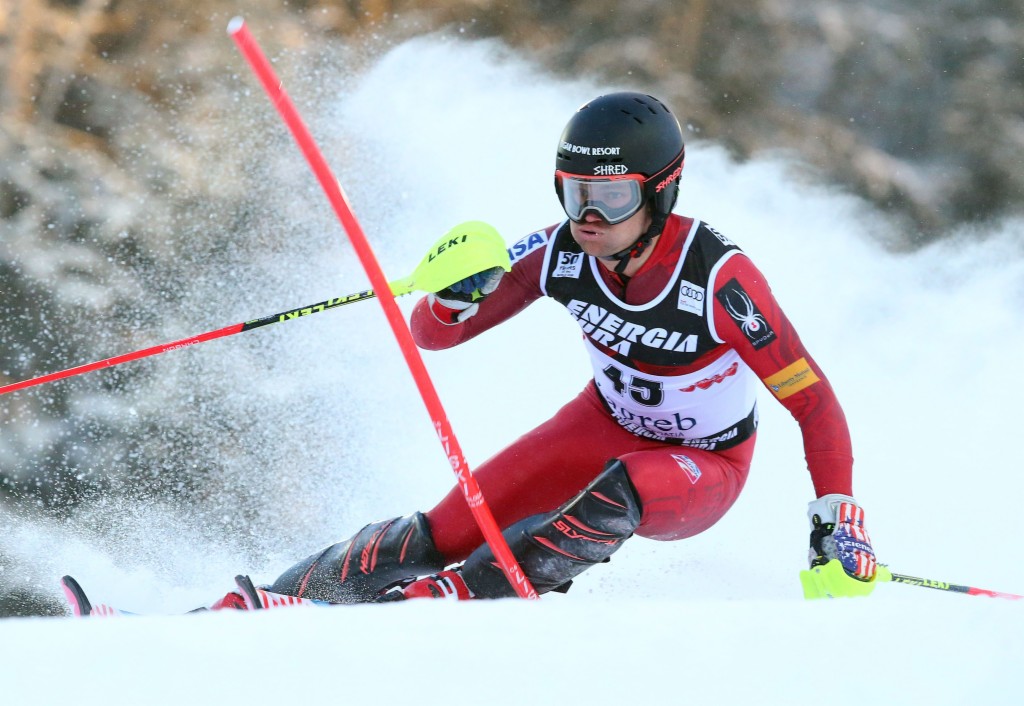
(261, 599)
(250, 594)
(253, 597)
(80, 604)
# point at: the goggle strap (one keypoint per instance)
(637, 248)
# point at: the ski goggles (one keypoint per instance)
(613, 198)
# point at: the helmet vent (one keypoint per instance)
(630, 114)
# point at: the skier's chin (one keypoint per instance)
(592, 241)
(593, 249)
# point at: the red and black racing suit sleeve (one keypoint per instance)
(517, 290)
(777, 356)
(815, 407)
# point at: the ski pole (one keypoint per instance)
(470, 489)
(190, 341)
(476, 247)
(884, 574)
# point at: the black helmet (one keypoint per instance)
(628, 138)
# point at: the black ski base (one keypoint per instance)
(79, 602)
(248, 591)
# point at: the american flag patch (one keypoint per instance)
(691, 469)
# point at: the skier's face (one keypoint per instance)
(596, 237)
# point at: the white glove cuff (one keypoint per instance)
(459, 311)
(827, 507)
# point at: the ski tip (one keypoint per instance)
(76, 597)
(249, 592)
(235, 25)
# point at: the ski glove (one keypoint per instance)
(841, 557)
(455, 304)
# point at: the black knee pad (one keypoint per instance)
(356, 570)
(554, 547)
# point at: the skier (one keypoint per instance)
(680, 326)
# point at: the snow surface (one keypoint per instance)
(921, 347)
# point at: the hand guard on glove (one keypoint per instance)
(841, 557)
(456, 303)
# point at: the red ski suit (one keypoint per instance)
(685, 483)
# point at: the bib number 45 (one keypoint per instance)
(646, 392)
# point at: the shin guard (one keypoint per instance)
(554, 547)
(358, 569)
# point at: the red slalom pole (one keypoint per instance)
(470, 489)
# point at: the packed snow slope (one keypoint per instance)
(921, 347)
